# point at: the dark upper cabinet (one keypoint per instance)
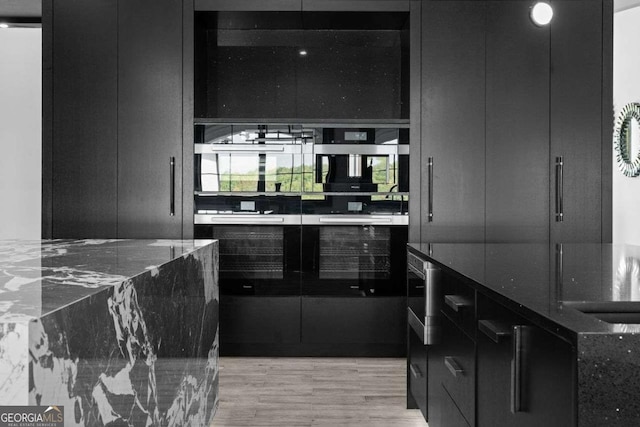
(453, 110)
(501, 99)
(517, 124)
(112, 118)
(79, 122)
(149, 118)
(576, 107)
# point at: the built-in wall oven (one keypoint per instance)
(248, 182)
(305, 211)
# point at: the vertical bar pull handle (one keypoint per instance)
(430, 171)
(172, 186)
(559, 189)
(518, 368)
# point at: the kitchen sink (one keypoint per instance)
(609, 311)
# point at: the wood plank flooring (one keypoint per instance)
(314, 392)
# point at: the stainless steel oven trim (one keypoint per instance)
(247, 149)
(364, 149)
(355, 220)
(247, 219)
(250, 219)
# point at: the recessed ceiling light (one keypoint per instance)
(4, 25)
(541, 14)
(303, 52)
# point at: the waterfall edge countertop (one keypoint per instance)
(588, 294)
(111, 330)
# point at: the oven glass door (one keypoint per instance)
(353, 260)
(257, 259)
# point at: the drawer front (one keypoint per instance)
(417, 371)
(459, 305)
(451, 416)
(375, 320)
(458, 360)
(261, 320)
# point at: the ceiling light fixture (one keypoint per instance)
(541, 14)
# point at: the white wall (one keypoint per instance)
(626, 88)
(20, 133)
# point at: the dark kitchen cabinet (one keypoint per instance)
(505, 371)
(577, 103)
(258, 320)
(501, 100)
(112, 119)
(416, 373)
(535, 387)
(517, 124)
(453, 110)
(79, 123)
(149, 119)
(451, 376)
(353, 320)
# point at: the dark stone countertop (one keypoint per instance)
(39, 277)
(549, 284)
(555, 287)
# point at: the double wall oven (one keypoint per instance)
(304, 210)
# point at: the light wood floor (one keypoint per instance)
(314, 392)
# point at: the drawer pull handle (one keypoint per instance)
(247, 286)
(415, 370)
(494, 330)
(453, 366)
(457, 302)
(354, 287)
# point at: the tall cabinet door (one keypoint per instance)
(517, 125)
(80, 118)
(576, 127)
(149, 119)
(453, 128)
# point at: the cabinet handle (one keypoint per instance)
(430, 172)
(518, 368)
(172, 189)
(494, 330)
(415, 370)
(559, 189)
(457, 302)
(453, 366)
(247, 286)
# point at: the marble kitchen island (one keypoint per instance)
(115, 331)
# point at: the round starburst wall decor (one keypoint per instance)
(623, 140)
